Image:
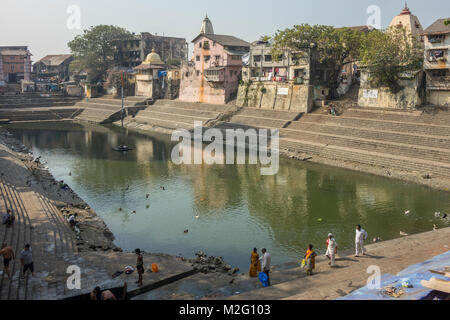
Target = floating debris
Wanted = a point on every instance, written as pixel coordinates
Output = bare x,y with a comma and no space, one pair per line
403,234
186,231
407,212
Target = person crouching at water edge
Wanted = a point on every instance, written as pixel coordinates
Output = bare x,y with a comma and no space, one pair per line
310,260
331,250
361,236
255,264
237,140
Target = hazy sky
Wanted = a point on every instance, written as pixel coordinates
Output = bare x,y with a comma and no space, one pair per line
42,24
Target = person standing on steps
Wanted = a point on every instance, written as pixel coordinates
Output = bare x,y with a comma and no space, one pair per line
331,250
265,263
8,254
361,236
139,266
26,260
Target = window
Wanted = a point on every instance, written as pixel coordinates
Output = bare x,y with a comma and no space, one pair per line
207,58
268,58
257,58
200,45
206,45
438,73
236,58
198,73
217,58
197,58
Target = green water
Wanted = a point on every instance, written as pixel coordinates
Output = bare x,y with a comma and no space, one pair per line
228,209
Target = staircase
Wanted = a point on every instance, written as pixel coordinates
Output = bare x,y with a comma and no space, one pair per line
107,109
175,114
36,107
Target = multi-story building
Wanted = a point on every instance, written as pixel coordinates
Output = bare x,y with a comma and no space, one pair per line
214,73
53,66
15,64
131,53
437,64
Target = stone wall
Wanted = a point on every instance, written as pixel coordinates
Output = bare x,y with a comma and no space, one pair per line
409,97
276,96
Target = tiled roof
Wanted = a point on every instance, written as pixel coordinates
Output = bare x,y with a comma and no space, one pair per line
54,60
438,27
225,40
14,52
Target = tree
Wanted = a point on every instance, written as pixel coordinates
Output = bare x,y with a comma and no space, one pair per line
94,50
447,22
387,54
335,46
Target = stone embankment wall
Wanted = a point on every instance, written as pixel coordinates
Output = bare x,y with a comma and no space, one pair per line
410,95
276,96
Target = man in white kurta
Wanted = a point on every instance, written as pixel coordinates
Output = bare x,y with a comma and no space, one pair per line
361,236
331,250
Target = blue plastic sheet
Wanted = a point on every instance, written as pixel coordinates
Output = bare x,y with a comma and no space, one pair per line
413,274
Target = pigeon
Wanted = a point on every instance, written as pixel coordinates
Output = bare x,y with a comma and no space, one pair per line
407,212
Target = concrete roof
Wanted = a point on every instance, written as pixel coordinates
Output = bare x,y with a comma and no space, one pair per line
438,27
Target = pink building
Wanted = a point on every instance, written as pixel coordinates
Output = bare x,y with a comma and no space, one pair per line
213,74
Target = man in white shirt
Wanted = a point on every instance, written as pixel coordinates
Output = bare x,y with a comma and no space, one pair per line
331,250
361,236
265,263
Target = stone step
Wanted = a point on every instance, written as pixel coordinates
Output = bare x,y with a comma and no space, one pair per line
183,111
401,117
376,159
164,123
267,113
149,113
414,151
193,105
258,122
370,133
398,126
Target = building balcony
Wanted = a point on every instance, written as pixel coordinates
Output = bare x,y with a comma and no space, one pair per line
438,83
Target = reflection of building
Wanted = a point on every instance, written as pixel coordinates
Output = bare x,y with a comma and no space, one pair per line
53,66
437,64
213,75
131,53
15,64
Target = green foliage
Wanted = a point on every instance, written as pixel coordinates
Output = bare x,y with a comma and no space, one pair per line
265,38
447,22
387,54
94,50
334,47
174,62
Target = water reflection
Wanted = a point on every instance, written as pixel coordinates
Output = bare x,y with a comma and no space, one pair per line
228,209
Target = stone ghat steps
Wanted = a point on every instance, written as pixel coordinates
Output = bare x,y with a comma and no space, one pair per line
183,112
40,115
258,122
440,117
162,121
193,105
39,103
329,127
270,114
102,109
20,233
413,151
376,159
376,124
